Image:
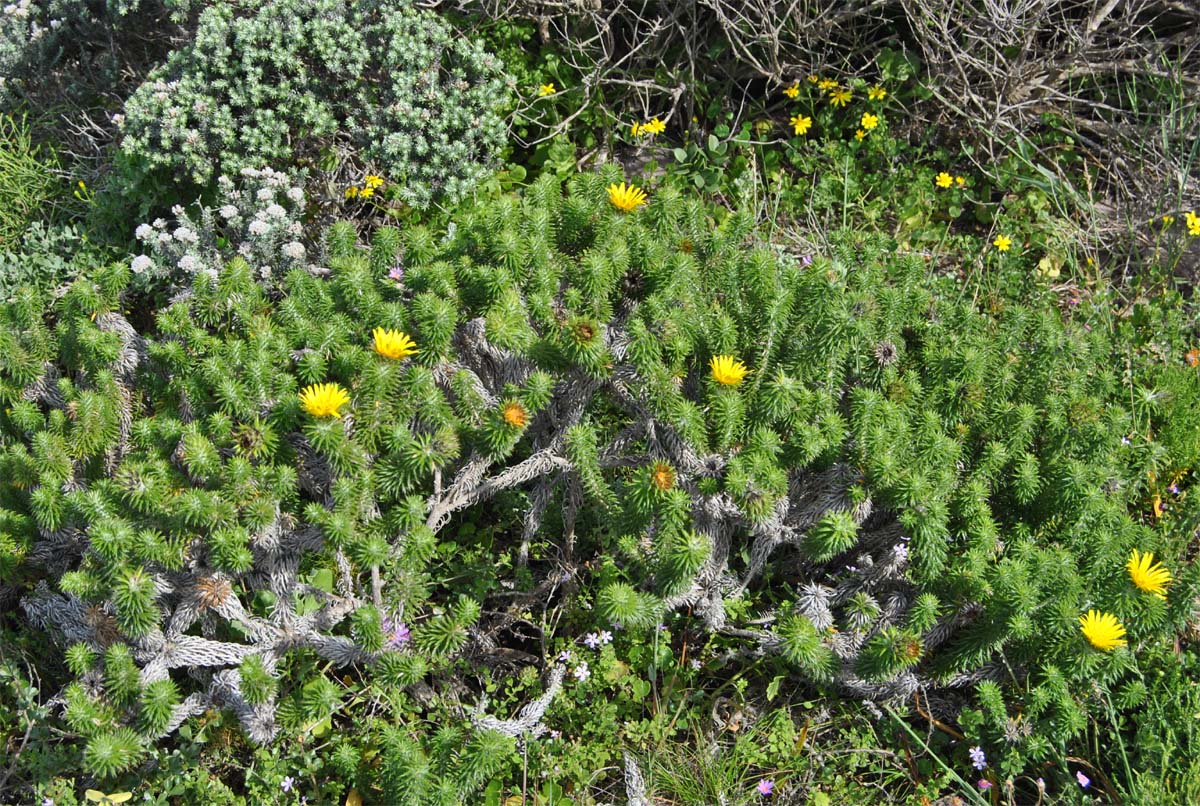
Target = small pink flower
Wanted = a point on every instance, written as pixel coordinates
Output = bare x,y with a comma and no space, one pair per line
1082,779
985,784
766,786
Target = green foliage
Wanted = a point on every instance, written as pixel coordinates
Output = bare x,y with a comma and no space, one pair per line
27,184
907,487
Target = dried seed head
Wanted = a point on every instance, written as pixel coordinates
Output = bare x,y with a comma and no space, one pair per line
515,414
663,476
886,353
212,592
584,332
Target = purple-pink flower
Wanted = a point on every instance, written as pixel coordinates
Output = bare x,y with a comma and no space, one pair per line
978,759
287,783
766,786
396,274
396,633
1082,779
984,784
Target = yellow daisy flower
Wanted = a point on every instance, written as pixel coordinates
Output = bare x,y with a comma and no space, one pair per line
839,96
813,79
324,399
944,180
860,135
366,192
793,90
869,121
876,93
1002,242
655,126
1102,630
961,181
373,181
1193,223
727,370
826,84
547,89
393,344
635,129
96,796
351,192
1147,574
626,198
801,124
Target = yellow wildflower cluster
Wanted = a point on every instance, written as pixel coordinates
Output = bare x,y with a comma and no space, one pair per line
838,96
651,127
371,183
945,180
1193,223
1103,630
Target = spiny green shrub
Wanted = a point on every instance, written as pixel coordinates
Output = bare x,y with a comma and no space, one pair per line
286,82
914,492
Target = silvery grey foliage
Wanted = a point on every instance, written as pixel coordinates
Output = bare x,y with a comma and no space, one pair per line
528,722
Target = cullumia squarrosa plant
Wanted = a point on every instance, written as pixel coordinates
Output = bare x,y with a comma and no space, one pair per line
840,465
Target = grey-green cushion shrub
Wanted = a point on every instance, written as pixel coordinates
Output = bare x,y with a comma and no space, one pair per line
287,82
32,31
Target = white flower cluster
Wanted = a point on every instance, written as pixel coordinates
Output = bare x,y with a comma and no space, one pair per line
258,218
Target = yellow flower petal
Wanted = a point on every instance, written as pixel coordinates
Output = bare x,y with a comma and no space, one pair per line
1148,575
1102,630
324,399
626,197
727,370
393,344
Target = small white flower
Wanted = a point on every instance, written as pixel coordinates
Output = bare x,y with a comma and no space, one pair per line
141,264
189,263
177,210
295,229
605,637
258,227
295,194
591,641
229,212
265,194
275,211
185,235
294,250
581,672
144,232
164,238
695,663
160,223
